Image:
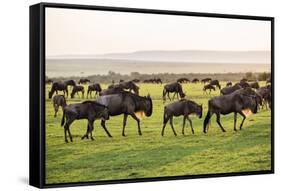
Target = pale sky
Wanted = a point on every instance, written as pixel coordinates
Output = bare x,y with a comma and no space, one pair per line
79,32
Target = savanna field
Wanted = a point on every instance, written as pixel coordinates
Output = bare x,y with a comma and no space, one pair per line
152,155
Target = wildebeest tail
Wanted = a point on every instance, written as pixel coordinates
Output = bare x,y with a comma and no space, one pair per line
206,121
62,119
164,94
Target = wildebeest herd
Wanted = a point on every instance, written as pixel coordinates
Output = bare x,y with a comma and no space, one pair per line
123,98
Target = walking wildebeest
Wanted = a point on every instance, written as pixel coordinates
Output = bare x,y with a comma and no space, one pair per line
131,86
208,87
183,80
128,104
94,87
228,84
206,80
229,90
236,102
77,89
215,83
254,85
89,110
183,107
175,88
195,80
112,90
265,93
84,81
58,101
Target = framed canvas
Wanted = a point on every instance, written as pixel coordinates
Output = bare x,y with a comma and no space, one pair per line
122,95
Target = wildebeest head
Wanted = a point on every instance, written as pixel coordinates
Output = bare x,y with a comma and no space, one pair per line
102,112
148,106
250,102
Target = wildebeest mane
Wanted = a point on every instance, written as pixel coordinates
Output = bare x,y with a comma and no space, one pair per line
94,103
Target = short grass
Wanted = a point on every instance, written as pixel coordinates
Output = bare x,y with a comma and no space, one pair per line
152,155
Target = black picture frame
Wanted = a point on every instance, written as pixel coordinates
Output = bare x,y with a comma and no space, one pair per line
37,92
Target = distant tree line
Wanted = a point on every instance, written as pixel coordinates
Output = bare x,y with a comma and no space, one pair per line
167,77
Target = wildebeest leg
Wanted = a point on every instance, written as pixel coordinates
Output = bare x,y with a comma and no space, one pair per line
82,94
56,107
169,96
91,129
171,123
124,124
66,92
190,122
87,94
219,122
235,119
66,128
174,95
183,124
244,117
104,127
166,119
138,121
56,91
87,132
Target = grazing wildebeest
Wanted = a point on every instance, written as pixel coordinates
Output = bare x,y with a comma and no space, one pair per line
244,84
195,80
131,86
84,81
206,80
208,87
58,101
158,81
265,93
153,81
229,90
183,80
236,102
128,104
89,110
215,83
77,89
58,86
254,85
183,107
175,88
228,84
94,87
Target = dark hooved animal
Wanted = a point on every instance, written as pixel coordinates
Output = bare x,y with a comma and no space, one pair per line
127,103
183,80
175,88
89,110
58,101
94,88
244,84
206,80
76,89
215,83
241,101
254,85
244,80
84,81
228,84
112,90
153,81
130,86
58,86
208,87
229,90
183,107
49,81
265,93
195,80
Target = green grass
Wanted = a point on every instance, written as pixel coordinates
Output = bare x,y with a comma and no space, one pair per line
152,155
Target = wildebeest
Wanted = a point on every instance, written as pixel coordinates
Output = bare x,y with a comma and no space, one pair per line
89,110
76,89
127,103
131,86
58,101
175,88
94,87
215,83
237,102
206,80
244,80
49,81
244,84
183,107
228,84
84,81
61,86
209,87
195,80
229,90
265,93
254,85
112,90
183,80
153,80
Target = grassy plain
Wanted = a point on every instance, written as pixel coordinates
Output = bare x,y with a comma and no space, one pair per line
152,155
